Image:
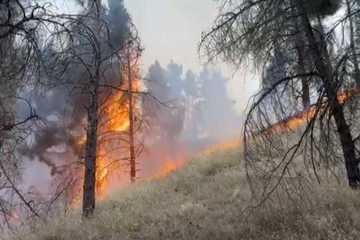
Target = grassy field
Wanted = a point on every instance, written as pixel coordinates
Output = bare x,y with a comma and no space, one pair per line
204,200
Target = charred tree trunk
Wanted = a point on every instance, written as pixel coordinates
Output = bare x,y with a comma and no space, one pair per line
352,45
305,91
320,56
131,121
90,154
348,146
300,46
89,187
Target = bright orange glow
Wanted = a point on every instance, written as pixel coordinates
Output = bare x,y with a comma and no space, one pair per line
223,146
169,167
117,113
298,120
117,107
115,121
345,96
291,123
102,172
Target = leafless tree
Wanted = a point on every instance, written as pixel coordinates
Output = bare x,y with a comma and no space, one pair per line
277,131
97,56
25,26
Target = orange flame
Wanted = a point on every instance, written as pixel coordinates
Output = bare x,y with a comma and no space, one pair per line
294,122
169,167
116,122
117,116
223,146
290,124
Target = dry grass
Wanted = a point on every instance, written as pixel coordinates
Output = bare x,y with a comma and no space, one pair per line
204,201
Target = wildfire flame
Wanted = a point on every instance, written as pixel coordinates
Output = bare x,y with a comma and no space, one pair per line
113,128
287,125
117,114
294,122
117,122
169,167
226,145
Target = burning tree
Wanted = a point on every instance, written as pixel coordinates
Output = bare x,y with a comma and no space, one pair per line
311,93
84,64
84,100
108,99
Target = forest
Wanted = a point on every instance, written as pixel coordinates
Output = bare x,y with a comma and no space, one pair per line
104,136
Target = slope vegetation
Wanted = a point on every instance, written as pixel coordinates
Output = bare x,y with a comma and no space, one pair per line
204,200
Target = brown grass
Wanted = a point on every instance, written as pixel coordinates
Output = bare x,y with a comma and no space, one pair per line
204,201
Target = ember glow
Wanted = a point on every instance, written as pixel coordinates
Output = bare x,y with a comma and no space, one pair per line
119,115
230,144
169,167
162,161
113,134
345,96
294,122
112,149
290,124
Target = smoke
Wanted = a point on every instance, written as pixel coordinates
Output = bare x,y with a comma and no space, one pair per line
192,111
184,111
62,99
195,106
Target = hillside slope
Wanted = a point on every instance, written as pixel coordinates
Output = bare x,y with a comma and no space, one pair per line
204,201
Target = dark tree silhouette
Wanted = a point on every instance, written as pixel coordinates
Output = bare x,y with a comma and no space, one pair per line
257,30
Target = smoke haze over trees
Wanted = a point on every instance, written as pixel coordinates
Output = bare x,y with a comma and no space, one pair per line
83,114
90,54
77,49
195,106
308,105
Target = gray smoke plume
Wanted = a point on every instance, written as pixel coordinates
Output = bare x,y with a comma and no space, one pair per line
192,111
61,102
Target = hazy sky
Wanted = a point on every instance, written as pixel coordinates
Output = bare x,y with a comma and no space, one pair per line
171,30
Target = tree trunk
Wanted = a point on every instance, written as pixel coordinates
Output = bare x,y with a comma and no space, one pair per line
305,91
89,187
300,46
348,146
90,154
320,56
131,122
352,45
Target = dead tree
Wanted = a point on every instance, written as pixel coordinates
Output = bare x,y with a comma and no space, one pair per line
352,46
323,64
101,87
21,58
323,130
88,204
131,120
